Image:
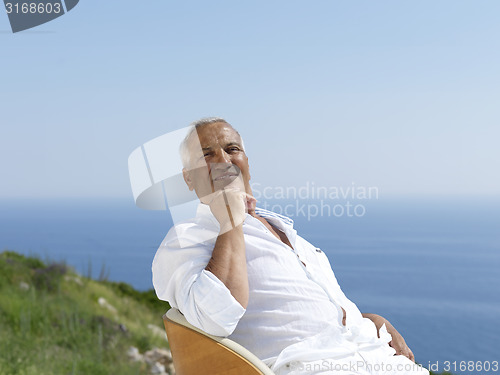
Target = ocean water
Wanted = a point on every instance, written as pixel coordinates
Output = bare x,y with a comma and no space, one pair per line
431,266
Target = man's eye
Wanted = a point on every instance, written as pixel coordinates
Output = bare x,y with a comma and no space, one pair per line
234,149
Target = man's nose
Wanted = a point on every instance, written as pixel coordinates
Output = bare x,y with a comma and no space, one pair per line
221,156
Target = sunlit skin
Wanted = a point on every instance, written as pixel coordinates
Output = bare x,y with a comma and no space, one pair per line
218,163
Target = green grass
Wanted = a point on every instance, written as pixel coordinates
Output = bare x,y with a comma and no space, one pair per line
57,326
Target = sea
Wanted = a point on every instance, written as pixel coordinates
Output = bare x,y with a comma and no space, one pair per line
429,264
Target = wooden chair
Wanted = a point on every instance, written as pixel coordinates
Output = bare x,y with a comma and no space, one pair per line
194,352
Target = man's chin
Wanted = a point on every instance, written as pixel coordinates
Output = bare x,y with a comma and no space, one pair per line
206,194
230,182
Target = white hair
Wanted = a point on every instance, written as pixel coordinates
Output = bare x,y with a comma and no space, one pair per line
184,149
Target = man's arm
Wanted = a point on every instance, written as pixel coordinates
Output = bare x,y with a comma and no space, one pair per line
228,261
397,342
201,281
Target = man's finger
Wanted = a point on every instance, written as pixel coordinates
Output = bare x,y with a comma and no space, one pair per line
250,202
411,357
406,351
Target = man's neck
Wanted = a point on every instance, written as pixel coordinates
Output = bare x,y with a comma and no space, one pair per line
275,231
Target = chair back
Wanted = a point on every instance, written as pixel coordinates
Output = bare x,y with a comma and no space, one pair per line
195,352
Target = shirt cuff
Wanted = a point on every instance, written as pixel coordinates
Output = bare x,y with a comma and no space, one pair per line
219,312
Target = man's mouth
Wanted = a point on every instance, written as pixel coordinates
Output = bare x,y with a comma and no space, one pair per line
226,176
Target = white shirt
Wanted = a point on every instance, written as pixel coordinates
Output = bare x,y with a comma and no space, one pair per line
294,311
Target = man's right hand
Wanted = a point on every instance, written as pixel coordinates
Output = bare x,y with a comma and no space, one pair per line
229,206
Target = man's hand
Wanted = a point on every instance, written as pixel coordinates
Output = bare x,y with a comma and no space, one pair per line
229,206
397,342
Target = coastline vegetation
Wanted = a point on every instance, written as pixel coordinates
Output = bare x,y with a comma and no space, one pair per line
55,321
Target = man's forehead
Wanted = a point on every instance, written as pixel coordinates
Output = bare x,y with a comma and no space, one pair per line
216,134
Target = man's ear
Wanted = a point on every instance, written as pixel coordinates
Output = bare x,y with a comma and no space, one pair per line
187,179
249,176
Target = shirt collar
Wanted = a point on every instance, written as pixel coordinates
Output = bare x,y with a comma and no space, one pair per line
280,221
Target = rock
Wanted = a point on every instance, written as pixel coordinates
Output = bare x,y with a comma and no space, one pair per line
157,331
102,302
159,361
157,369
161,356
24,286
122,328
74,279
171,369
134,355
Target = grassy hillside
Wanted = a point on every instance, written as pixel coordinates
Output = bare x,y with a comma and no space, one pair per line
54,321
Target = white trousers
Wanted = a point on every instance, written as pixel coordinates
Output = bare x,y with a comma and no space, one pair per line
367,362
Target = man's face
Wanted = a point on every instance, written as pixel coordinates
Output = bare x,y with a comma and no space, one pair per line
219,163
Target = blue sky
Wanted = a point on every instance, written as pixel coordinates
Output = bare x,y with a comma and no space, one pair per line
399,95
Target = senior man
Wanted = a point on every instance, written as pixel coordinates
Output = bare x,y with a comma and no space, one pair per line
244,272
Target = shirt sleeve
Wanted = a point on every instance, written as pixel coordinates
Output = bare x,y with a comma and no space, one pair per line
179,277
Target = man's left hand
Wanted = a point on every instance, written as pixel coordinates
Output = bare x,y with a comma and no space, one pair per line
397,342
